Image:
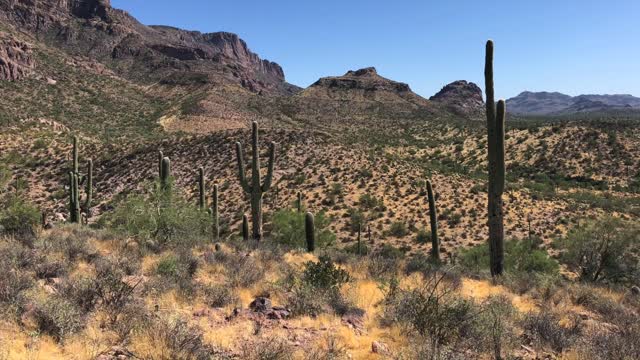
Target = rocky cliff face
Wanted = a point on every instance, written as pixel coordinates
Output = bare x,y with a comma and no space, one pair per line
16,60
143,53
461,97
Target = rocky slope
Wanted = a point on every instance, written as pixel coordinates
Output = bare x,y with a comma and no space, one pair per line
461,97
548,103
143,53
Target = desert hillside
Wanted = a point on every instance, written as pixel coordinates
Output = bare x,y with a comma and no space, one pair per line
113,246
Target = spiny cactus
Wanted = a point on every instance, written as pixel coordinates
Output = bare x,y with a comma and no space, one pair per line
245,227
74,207
75,180
433,217
299,202
309,228
89,188
160,158
74,155
495,132
201,196
255,189
165,173
216,216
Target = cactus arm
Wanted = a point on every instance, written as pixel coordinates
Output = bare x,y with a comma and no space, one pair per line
272,157
201,196
241,174
160,158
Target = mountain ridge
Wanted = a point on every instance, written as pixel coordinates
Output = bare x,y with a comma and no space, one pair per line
556,103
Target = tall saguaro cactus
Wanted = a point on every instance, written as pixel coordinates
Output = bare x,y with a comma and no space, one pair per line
75,181
254,188
201,196
216,215
433,217
245,227
74,198
309,228
165,172
89,188
495,132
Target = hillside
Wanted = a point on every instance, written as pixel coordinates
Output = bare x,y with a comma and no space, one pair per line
146,276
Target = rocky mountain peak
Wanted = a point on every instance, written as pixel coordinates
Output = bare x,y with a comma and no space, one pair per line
368,71
462,97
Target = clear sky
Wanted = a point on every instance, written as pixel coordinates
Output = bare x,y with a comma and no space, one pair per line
571,46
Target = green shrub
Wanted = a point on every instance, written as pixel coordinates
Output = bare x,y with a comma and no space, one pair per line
432,309
398,229
58,317
356,219
218,296
368,201
162,217
603,250
324,274
289,229
423,236
520,256
18,217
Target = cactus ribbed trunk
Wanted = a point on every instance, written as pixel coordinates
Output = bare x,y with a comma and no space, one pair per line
75,155
165,173
255,189
495,145
201,197
89,188
160,159
433,217
299,202
309,228
216,217
245,227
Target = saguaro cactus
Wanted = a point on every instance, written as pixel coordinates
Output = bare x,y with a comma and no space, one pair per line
165,173
245,227
74,202
75,155
299,202
201,196
360,240
309,228
160,159
89,188
433,217
216,216
255,189
495,132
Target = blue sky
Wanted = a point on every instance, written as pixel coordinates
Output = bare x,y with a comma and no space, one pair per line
571,46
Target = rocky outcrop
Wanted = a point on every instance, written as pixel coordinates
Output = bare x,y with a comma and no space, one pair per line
362,86
16,60
145,54
461,97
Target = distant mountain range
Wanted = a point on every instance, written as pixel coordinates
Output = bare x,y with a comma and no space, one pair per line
555,103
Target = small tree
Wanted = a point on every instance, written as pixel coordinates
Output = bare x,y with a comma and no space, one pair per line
605,249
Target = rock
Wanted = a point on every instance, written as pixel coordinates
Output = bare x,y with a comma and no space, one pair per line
260,304
116,353
378,347
51,81
59,217
461,97
16,59
635,290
